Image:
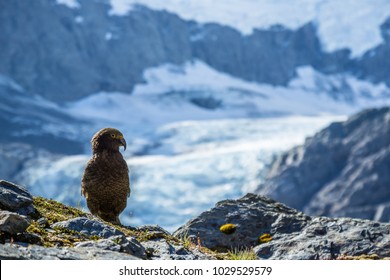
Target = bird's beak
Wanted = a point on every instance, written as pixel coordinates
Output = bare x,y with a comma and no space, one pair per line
123,141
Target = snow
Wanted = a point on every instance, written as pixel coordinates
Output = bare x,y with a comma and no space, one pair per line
310,93
108,36
69,3
339,22
8,82
79,19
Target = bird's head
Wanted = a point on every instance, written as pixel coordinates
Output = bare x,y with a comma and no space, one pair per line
109,139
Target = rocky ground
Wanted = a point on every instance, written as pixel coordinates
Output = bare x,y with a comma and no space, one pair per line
253,227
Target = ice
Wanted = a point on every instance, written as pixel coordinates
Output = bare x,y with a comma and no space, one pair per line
339,23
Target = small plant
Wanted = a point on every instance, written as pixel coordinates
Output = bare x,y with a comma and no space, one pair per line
228,228
246,254
266,237
361,257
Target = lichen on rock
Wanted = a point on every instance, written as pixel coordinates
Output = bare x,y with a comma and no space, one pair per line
228,228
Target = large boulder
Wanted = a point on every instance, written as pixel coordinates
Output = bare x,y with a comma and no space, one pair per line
12,223
327,238
252,216
276,231
15,198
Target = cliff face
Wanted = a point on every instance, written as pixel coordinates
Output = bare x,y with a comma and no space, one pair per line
65,54
342,171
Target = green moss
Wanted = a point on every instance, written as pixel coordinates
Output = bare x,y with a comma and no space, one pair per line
266,237
228,228
54,211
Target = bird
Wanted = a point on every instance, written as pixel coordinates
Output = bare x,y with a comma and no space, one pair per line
105,182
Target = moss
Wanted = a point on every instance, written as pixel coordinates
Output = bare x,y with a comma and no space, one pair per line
54,211
264,238
228,228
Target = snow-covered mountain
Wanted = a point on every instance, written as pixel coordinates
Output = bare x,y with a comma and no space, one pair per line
110,44
206,92
338,22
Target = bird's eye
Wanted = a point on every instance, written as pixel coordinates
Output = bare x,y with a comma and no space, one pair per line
113,135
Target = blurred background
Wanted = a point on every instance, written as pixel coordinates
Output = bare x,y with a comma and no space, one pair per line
215,99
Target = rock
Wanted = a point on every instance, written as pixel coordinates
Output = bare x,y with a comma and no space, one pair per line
15,198
29,238
133,247
343,171
326,238
34,252
154,231
160,249
285,232
117,243
89,227
252,215
12,223
43,222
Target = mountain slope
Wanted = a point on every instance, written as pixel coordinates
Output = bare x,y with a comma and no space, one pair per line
33,120
86,48
342,171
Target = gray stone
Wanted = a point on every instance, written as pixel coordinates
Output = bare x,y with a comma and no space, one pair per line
326,238
12,223
15,198
29,238
118,243
154,230
43,222
252,215
343,171
89,227
294,235
34,252
161,249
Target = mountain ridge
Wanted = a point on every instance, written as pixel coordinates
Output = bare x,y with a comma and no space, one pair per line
47,48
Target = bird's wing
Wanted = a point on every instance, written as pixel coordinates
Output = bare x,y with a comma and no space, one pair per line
89,173
128,180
